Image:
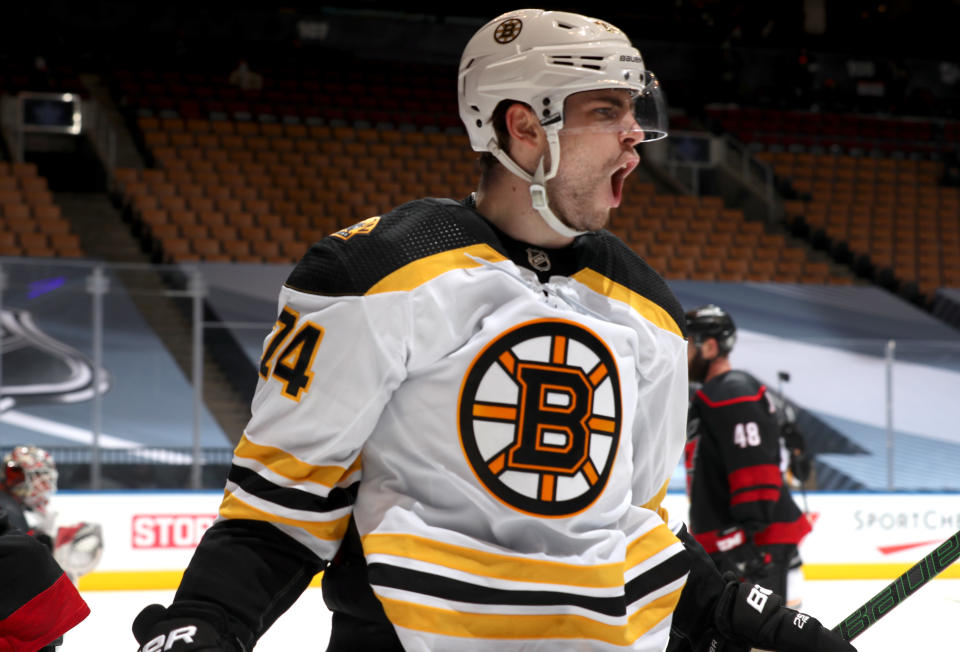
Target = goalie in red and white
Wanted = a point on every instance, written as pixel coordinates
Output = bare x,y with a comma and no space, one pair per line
741,511
29,480
39,601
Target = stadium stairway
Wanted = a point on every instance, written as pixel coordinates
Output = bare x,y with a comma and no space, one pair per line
104,236
125,149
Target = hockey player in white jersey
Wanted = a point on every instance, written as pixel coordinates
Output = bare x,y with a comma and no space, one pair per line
468,411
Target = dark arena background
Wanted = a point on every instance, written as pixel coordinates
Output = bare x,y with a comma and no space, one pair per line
164,165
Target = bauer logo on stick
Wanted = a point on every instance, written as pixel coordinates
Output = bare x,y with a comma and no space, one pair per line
900,589
540,417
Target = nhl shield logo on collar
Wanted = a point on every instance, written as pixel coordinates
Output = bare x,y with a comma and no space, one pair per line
539,259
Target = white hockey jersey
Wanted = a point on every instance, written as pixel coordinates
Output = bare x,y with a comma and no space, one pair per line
508,418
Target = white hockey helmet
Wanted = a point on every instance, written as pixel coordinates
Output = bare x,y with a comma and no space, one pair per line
540,57
31,476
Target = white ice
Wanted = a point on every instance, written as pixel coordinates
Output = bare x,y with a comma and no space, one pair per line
922,622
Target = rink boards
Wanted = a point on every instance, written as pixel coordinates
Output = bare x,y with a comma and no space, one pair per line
150,536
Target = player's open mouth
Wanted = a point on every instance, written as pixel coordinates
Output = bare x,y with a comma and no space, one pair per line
617,179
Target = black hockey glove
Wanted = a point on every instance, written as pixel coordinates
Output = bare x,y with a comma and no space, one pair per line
155,631
748,615
738,554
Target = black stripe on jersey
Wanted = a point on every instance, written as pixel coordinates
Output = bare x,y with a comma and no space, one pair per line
446,588
659,576
424,227
606,254
260,487
415,230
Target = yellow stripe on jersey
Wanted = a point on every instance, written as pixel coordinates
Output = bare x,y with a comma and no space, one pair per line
656,540
447,622
487,564
233,508
283,463
424,269
654,503
651,311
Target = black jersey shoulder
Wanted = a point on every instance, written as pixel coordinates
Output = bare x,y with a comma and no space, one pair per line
733,386
609,256
351,261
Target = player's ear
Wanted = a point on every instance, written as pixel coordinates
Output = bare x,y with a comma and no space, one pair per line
524,128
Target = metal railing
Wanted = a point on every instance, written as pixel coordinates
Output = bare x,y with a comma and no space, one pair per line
74,339
85,365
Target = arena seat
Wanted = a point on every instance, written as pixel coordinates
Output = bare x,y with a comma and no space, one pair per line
246,171
31,223
892,212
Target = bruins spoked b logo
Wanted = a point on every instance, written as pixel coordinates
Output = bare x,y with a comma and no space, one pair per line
508,30
540,417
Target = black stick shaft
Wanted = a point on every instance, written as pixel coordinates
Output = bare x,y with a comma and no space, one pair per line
900,589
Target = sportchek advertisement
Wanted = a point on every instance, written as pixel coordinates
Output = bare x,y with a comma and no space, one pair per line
149,537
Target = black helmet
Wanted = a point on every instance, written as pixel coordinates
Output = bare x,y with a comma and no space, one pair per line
712,321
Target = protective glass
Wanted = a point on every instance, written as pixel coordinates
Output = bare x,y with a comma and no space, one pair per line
647,119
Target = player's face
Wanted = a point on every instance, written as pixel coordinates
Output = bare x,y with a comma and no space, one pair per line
596,155
697,363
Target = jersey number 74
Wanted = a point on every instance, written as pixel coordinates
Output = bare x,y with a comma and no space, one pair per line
292,365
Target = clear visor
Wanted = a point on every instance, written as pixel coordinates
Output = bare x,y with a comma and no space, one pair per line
644,115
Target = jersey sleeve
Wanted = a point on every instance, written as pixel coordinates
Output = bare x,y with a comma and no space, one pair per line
328,367
692,627
658,425
327,370
748,441
660,434
38,602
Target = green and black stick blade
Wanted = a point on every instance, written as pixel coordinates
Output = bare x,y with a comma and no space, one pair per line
900,589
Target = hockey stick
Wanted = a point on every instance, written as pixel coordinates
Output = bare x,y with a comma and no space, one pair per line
900,589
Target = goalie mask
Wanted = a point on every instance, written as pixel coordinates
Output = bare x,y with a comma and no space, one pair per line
31,476
540,58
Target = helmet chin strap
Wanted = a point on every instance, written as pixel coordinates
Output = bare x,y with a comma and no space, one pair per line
538,181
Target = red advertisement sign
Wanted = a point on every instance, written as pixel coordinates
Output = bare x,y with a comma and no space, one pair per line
169,530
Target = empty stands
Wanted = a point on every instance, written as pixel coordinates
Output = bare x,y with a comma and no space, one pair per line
889,213
697,238
265,191
250,191
381,92
808,130
31,223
